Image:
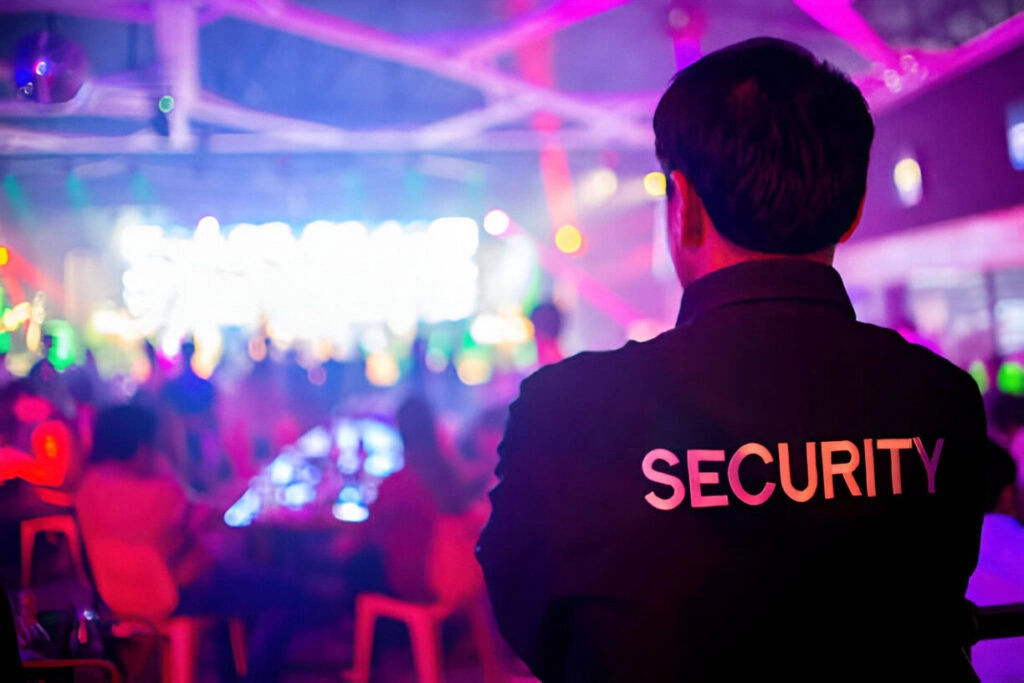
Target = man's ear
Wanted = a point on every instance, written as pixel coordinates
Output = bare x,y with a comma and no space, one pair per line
690,212
856,221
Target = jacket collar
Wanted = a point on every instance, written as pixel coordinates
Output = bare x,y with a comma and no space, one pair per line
766,280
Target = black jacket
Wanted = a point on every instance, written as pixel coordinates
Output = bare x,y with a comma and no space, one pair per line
655,519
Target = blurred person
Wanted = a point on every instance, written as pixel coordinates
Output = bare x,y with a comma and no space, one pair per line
6,376
130,496
193,400
547,330
437,485
151,389
999,578
657,518
47,382
258,419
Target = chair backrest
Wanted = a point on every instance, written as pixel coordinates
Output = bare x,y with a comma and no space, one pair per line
133,580
453,571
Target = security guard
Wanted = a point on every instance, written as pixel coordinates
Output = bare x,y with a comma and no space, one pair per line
771,490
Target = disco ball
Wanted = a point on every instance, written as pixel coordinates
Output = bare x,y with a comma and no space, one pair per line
49,68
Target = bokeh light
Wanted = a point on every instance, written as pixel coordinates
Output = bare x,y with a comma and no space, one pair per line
1010,378
207,227
907,177
1015,142
979,371
569,239
382,369
473,369
654,184
598,186
496,222
166,104
5,256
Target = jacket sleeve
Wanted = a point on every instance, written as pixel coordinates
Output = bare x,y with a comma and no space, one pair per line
517,549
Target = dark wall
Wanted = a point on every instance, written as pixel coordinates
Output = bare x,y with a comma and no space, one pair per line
957,132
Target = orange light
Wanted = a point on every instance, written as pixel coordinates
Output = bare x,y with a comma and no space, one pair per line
382,369
5,256
568,239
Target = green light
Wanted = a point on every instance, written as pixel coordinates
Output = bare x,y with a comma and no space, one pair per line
16,197
166,104
76,191
64,350
1010,378
5,342
979,372
141,188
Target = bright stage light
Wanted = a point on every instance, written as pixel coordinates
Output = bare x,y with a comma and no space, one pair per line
569,239
5,256
207,226
598,186
654,184
140,241
1015,144
350,512
382,369
496,222
473,369
907,177
332,285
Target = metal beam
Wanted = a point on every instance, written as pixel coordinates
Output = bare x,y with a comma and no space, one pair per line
176,31
113,10
96,98
16,141
534,26
349,35
839,17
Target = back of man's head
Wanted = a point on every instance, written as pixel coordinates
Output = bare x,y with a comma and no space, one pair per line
774,142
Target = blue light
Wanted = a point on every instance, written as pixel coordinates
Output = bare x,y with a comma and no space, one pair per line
282,471
316,443
1015,142
347,436
350,494
380,464
348,462
350,512
298,495
243,512
42,66
309,473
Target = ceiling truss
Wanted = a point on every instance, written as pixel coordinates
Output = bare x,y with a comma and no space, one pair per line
610,122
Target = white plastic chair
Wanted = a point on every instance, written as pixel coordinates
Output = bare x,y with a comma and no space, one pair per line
458,583
57,524
135,582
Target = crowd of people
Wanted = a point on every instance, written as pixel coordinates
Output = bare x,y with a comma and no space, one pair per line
149,472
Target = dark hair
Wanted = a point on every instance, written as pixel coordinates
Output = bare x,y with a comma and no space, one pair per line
774,142
121,430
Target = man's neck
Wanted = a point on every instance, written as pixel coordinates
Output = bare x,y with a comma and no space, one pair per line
722,253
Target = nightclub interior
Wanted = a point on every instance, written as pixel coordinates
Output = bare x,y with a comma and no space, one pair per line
306,251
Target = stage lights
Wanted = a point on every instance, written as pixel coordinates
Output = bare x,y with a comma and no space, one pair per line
496,222
906,175
569,239
654,184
